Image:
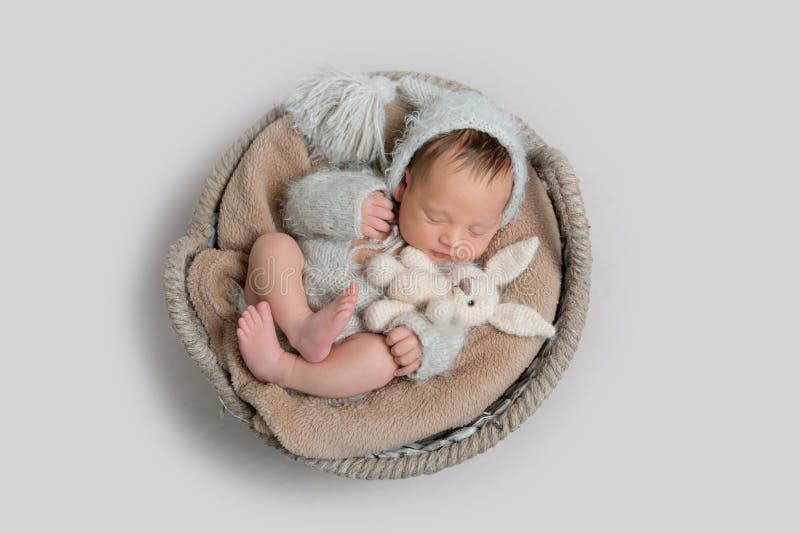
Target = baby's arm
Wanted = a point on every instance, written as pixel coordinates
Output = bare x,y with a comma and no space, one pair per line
329,203
440,343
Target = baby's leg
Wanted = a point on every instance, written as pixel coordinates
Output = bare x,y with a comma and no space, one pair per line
275,275
360,363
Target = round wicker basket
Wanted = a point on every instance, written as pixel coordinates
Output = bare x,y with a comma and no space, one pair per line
500,418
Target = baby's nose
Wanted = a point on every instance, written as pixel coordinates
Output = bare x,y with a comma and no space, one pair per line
450,237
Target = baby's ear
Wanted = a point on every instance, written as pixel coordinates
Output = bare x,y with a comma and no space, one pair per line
510,261
520,320
400,190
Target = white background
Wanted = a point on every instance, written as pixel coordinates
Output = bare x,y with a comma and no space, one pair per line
680,408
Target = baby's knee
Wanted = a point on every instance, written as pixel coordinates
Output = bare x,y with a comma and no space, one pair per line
274,258
276,247
274,241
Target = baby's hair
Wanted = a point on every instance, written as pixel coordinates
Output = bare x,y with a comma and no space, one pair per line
476,149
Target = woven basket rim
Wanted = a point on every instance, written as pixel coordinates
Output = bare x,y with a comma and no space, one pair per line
543,374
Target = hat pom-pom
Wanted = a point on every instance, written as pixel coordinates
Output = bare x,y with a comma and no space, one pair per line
342,115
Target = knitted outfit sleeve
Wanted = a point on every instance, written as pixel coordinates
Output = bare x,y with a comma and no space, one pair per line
328,202
441,343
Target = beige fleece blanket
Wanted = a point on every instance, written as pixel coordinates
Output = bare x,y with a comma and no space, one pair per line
403,411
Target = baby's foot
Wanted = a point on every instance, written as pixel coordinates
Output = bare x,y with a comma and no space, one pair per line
259,345
315,336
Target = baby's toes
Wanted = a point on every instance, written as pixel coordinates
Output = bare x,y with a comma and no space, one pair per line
241,334
248,316
344,313
255,316
347,298
264,311
242,323
352,289
345,306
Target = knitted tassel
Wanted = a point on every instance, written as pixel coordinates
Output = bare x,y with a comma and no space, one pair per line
342,115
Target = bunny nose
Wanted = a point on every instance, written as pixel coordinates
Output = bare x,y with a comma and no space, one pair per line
466,286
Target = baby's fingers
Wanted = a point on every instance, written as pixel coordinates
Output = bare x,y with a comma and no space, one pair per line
369,231
380,199
377,223
382,213
408,369
398,333
408,358
405,345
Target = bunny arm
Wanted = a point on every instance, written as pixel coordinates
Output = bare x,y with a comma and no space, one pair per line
520,320
328,202
381,269
381,312
441,343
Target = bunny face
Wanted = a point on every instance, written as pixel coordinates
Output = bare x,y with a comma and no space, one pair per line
473,295
460,292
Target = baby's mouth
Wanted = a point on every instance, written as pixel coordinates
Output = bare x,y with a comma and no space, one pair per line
440,255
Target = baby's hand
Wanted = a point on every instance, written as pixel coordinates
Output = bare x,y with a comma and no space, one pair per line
406,350
375,212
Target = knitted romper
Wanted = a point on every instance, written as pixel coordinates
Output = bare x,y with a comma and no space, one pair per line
322,211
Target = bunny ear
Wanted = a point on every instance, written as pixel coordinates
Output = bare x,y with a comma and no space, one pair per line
509,262
519,320
419,93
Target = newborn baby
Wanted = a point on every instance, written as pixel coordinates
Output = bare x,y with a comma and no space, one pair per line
457,176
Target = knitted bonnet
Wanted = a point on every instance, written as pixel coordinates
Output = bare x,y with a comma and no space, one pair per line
342,117
439,111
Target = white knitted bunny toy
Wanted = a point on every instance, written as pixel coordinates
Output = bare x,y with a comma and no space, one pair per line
409,283
456,296
475,295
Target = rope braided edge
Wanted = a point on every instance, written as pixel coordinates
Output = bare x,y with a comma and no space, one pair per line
185,322
511,409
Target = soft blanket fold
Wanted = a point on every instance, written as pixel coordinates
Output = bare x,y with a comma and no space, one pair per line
403,411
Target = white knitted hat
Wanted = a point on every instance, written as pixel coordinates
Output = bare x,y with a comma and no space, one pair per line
439,111
342,116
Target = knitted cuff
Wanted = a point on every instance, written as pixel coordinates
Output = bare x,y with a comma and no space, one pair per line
327,203
441,343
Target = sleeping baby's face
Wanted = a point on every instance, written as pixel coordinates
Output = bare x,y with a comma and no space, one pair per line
451,215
